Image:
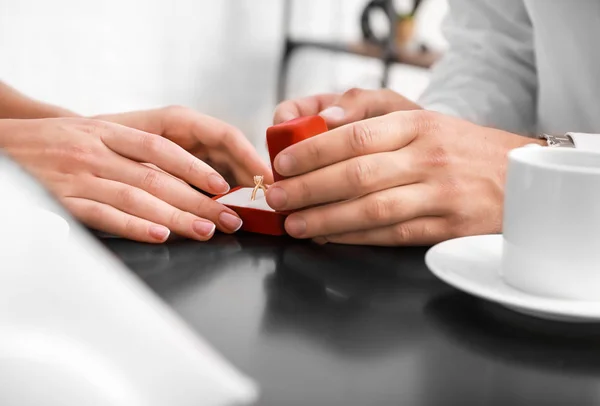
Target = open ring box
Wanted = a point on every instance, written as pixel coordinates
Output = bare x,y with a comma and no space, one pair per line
256,214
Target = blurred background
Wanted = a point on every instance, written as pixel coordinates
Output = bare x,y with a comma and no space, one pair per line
220,57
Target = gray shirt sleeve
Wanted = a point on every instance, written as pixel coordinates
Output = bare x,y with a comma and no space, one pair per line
488,75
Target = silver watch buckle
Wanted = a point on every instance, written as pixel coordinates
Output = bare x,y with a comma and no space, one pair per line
564,141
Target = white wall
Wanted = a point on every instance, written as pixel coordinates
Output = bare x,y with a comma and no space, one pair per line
218,56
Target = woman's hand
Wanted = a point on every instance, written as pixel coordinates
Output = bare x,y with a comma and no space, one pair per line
218,144
96,170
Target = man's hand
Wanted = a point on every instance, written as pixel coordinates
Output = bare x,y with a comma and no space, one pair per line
216,143
340,109
406,178
95,169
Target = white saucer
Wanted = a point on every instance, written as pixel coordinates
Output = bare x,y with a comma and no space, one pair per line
472,264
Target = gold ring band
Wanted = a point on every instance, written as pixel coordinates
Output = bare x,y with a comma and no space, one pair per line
258,181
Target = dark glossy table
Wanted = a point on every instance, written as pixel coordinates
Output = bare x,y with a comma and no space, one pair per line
341,325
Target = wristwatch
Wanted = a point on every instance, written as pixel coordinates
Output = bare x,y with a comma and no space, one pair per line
564,141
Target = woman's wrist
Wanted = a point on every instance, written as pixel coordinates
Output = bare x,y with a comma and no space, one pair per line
14,104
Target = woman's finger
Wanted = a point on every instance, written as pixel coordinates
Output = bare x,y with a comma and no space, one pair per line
170,157
156,168
142,204
226,143
108,219
375,210
171,191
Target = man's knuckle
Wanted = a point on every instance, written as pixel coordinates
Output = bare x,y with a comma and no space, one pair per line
403,233
305,191
359,173
283,107
436,157
353,93
445,190
314,152
378,209
425,122
455,226
361,138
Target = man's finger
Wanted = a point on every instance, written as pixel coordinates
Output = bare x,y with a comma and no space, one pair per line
170,157
359,104
307,106
422,231
375,210
108,219
346,180
381,134
171,191
198,133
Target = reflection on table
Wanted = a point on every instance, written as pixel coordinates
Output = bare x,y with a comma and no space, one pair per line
341,325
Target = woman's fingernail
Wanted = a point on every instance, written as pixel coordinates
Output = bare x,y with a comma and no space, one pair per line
230,222
276,198
203,228
295,226
217,183
334,113
159,233
286,164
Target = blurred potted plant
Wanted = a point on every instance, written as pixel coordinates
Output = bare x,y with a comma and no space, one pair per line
405,25
403,22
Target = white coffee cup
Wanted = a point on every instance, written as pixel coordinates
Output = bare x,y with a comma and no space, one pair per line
551,229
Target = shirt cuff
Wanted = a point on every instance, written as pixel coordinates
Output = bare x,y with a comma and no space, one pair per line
586,141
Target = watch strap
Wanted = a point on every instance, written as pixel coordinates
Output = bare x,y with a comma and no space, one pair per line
564,141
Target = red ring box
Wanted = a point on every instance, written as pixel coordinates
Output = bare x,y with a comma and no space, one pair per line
257,216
